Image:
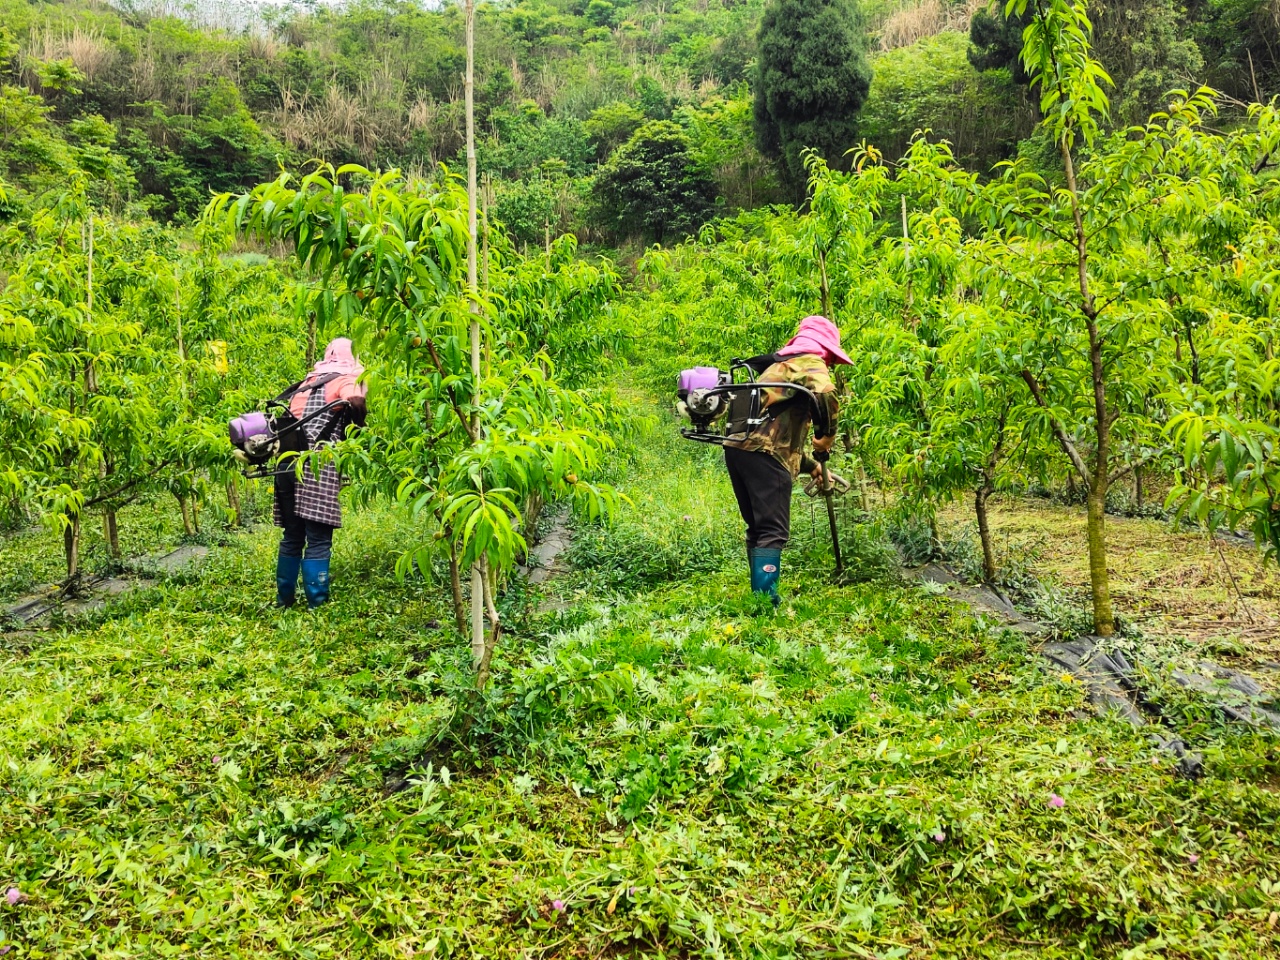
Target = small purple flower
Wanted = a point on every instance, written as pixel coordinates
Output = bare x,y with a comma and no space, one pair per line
1193,859
631,891
216,759
686,518
939,837
14,896
1056,801
5,949
558,906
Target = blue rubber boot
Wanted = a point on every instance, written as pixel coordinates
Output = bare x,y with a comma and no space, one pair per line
766,567
315,581
287,569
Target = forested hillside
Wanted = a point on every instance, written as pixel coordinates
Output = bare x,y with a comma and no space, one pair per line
615,120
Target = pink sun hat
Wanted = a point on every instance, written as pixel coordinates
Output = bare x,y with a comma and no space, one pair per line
819,336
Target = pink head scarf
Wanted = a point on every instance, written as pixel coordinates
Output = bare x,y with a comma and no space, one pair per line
340,359
817,335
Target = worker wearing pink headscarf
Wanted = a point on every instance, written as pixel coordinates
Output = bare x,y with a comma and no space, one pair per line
307,507
764,463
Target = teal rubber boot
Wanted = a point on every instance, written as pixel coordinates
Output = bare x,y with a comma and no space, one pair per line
766,567
287,570
315,580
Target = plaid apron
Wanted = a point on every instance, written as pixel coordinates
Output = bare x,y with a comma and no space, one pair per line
314,498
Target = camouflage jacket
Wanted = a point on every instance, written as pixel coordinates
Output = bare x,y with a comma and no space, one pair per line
784,435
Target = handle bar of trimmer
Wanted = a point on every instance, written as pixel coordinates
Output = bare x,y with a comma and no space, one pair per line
821,429
831,485
296,425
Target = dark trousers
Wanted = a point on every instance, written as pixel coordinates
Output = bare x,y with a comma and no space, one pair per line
763,488
299,533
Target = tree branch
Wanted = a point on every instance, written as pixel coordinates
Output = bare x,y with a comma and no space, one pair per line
1127,468
128,484
448,388
1059,431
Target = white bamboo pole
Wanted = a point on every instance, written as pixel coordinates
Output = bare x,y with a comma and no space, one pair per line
477,574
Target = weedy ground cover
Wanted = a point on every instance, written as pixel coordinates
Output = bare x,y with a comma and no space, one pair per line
660,768
1170,582
31,558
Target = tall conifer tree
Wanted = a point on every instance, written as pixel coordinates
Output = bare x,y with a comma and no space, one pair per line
812,77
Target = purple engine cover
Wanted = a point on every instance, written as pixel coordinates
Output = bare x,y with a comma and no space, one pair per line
248,425
699,378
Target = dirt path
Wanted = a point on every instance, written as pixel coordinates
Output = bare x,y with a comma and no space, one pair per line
547,559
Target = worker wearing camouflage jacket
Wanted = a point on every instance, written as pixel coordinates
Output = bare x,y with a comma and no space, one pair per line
764,463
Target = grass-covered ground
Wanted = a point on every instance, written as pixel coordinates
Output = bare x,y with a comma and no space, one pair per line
661,770
1170,581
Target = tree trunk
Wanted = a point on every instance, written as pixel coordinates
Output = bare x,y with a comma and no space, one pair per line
477,572
187,526
532,512
827,309
1103,621
491,642
90,373
455,586
1104,624
311,340
984,533
111,533
1195,354
1137,487
71,547
233,501
906,254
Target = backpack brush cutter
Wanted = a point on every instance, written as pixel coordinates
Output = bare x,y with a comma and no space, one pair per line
258,438
722,410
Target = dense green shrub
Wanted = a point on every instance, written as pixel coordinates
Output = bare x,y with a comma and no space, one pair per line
634,557
931,85
652,188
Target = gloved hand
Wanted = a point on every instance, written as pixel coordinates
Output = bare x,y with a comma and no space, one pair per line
824,444
816,487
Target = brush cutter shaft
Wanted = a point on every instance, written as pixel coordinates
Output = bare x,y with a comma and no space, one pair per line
831,518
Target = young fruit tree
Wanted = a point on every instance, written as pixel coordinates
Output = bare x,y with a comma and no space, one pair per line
1078,270
466,451
1223,390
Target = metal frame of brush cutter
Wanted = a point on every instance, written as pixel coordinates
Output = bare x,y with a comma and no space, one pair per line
297,424
754,417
